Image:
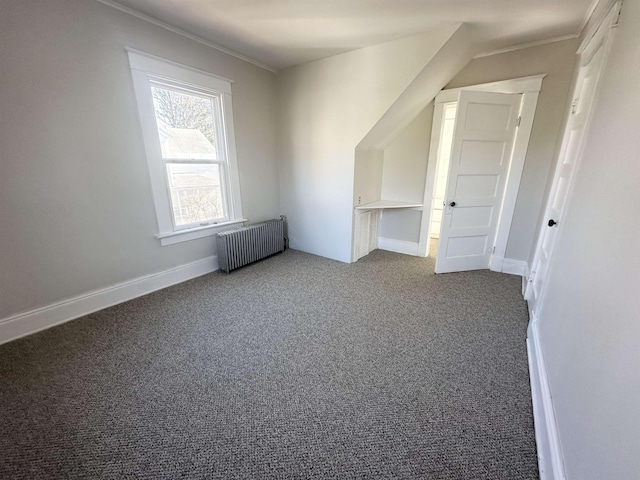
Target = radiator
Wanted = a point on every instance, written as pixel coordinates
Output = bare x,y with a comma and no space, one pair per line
243,245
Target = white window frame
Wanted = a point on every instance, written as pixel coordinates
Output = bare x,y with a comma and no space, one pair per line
147,69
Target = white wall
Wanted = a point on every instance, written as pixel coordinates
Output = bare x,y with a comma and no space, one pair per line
76,209
445,64
326,109
403,176
557,60
367,176
589,324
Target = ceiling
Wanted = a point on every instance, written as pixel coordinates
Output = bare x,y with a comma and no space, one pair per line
282,33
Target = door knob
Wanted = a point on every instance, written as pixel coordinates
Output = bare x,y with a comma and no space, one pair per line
452,204
552,222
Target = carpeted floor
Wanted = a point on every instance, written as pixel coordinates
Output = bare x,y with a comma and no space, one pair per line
297,367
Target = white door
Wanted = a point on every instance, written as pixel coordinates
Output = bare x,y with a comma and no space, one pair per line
570,154
482,146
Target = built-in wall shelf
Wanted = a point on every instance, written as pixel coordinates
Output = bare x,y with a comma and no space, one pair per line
380,204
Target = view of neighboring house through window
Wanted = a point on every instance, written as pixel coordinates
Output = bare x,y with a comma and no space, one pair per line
187,133
186,119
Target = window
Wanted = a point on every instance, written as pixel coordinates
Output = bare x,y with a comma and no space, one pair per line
187,126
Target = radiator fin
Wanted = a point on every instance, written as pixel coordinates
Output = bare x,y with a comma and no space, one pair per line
243,245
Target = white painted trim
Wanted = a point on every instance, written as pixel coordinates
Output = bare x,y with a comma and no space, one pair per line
589,14
522,46
496,263
509,265
603,37
149,63
532,83
234,196
515,267
183,33
514,173
195,233
430,182
529,87
398,246
39,319
608,18
146,68
550,459
389,204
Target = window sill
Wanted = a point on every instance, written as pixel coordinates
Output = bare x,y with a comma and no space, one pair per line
194,233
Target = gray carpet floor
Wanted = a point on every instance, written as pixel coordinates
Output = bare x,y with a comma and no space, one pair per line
296,367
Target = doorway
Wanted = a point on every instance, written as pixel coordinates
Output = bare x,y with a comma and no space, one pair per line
442,173
436,215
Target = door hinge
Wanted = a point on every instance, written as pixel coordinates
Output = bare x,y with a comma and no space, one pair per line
574,106
518,122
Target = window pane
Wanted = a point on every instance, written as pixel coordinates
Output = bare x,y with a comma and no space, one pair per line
185,124
196,193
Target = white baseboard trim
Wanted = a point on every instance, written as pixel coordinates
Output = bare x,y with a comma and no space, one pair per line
496,263
550,461
515,267
33,321
509,265
398,246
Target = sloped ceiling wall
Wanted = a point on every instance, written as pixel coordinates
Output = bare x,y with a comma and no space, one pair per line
328,106
444,65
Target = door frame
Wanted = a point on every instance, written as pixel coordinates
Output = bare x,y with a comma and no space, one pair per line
529,87
472,229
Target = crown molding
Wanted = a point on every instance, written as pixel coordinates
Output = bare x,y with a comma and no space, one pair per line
528,45
179,31
589,14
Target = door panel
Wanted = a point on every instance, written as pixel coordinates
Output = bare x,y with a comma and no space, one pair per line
566,168
487,117
485,153
463,246
483,139
469,186
472,217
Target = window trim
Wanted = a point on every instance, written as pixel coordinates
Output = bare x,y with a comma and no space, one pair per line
221,149
147,68
197,232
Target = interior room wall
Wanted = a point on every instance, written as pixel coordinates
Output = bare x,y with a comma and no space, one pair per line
588,324
445,64
76,207
401,224
367,176
557,60
403,176
326,108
